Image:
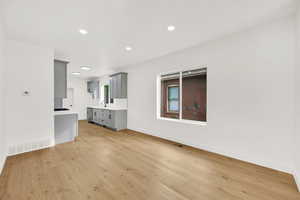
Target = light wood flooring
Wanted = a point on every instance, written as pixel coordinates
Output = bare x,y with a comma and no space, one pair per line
103,165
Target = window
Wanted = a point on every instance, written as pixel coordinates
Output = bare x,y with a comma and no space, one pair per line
173,98
106,93
183,95
170,97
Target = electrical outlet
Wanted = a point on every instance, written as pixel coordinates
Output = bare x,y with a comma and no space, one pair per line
26,93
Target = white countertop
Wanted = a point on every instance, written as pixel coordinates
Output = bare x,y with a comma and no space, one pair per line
107,108
65,112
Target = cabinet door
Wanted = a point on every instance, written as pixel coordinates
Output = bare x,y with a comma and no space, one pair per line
90,114
112,89
99,116
119,85
107,118
104,113
103,117
60,79
117,90
93,88
95,115
96,89
120,119
115,87
109,121
123,85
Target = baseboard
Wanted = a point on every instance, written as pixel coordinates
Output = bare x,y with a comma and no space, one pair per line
15,149
2,163
262,163
297,180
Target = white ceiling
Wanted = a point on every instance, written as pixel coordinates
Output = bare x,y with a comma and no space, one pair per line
142,24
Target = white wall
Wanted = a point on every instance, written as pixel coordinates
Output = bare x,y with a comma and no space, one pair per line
80,96
3,148
250,95
297,102
29,119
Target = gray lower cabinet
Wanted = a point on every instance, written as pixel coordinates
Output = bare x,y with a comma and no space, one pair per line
99,116
89,114
109,119
102,117
95,117
114,119
119,119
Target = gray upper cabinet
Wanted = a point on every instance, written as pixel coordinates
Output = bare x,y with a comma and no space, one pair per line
60,79
93,88
110,88
118,85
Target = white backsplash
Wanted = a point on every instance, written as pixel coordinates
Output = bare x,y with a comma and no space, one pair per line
119,103
94,102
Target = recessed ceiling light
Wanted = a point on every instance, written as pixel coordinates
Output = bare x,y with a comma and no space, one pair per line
85,68
171,28
76,73
83,31
128,48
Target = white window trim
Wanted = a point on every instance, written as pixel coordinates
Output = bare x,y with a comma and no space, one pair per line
180,96
158,100
185,121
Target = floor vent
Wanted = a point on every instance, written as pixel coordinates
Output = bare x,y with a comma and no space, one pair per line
27,147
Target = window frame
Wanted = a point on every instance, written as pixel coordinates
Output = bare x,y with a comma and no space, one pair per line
159,101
